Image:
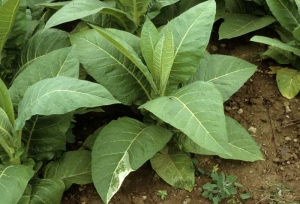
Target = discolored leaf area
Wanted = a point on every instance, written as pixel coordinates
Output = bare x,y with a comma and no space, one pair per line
121,147
288,81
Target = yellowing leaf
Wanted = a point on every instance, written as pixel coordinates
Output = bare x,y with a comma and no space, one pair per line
288,81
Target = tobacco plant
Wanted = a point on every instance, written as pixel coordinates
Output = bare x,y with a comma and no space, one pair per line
165,72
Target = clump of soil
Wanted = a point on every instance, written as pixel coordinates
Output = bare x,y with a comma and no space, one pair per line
274,122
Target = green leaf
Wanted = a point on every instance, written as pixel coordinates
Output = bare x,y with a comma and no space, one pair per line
176,168
8,12
121,147
163,60
8,138
61,95
191,32
110,67
5,102
45,135
149,38
78,9
227,73
296,33
13,181
196,110
240,142
157,5
135,8
129,52
72,167
41,43
61,62
285,11
45,191
288,81
239,24
279,55
275,43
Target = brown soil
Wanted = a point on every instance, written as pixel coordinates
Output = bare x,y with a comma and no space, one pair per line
257,104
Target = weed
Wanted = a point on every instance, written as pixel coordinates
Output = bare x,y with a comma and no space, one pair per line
162,194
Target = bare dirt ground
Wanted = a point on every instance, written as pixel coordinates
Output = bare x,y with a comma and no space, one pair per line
274,122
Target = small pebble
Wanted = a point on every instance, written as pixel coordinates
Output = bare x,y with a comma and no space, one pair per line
288,162
144,197
240,111
213,48
276,160
295,140
287,139
252,129
282,168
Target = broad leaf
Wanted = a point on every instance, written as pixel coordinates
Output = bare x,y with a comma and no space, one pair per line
196,110
191,31
239,24
13,181
135,8
47,191
285,11
121,147
72,167
41,43
296,33
288,81
175,167
8,138
240,142
110,67
149,38
163,60
129,52
8,12
61,62
45,135
275,43
279,55
227,73
5,102
156,6
61,95
78,9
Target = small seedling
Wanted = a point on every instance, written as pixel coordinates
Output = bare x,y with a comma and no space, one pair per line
222,187
162,194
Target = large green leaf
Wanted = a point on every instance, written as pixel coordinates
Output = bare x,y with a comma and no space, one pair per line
239,24
288,81
163,60
149,38
196,110
121,147
47,191
135,8
41,43
78,9
175,167
61,62
8,138
5,102
275,43
72,167
44,135
110,67
191,31
129,52
8,12
240,142
61,95
13,181
227,73
279,55
285,11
